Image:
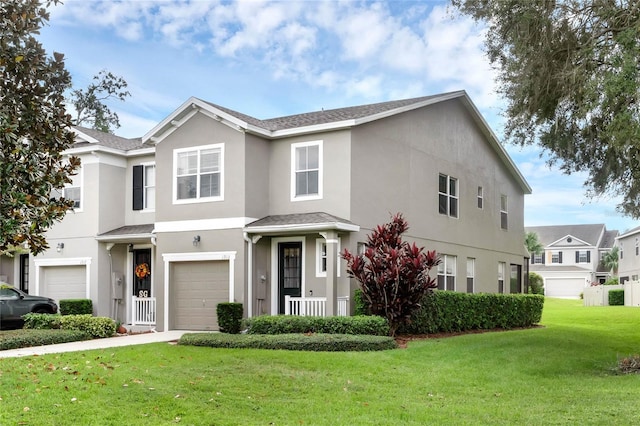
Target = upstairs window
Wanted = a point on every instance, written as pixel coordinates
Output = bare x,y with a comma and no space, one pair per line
144,187
537,258
306,173
199,173
72,191
556,257
583,256
504,212
480,197
448,195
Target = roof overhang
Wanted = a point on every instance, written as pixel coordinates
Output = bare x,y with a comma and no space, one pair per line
128,234
300,223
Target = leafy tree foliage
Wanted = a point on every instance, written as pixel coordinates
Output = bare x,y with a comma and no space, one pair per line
532,243
610,260
89,103
393,274
570,74
34,128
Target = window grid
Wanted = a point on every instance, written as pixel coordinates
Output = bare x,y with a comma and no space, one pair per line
448,195
504,212
501,268
199,173
149,186
480,197
447,273
306,171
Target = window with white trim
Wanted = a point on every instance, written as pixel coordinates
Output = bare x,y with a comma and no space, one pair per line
471,271
537,258
447,272
504,212
321,257
448,195
306,170
502,266
480,197
72,190
583,256
198,174
556,257
144,186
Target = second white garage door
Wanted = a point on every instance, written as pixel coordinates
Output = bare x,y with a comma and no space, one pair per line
196,290
64,282
564,287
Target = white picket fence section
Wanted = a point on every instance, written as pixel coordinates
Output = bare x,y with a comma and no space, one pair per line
144,311
313,306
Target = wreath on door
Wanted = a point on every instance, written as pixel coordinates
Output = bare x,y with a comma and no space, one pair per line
142,270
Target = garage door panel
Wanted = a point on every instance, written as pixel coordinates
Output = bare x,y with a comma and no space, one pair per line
197,288
65,282
564,287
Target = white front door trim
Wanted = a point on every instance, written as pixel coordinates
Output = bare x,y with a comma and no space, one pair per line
275,282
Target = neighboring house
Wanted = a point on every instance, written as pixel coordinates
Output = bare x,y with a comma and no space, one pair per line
572,257
629,255
213,205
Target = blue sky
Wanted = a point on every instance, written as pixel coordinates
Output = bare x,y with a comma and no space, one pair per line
269,59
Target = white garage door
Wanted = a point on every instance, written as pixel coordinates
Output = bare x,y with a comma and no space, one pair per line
196,290
65,282
564,287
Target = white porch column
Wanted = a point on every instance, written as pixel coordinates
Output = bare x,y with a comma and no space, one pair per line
331,239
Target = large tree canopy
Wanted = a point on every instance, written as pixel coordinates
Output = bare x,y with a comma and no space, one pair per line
570,73
34,128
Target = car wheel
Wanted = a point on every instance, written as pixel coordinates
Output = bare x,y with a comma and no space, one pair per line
42,311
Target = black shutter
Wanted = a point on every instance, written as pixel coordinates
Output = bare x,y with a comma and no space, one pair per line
138,187
544,255
577,256
589,256
560,257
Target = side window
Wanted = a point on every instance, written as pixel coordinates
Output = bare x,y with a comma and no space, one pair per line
504,212
448,195
144,187
73,190
321,257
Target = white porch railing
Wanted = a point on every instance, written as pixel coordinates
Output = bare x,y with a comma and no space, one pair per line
313,306
144,311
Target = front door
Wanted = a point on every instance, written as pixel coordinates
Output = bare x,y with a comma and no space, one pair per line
289,271
142,273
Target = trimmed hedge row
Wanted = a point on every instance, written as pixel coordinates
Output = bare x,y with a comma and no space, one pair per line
76,306
616,297
16,339
448,311
285,324
95,327
292,342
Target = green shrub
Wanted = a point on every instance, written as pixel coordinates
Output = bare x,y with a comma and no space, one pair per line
292,342
41,321
284,324
96,327
448,311
76,307
16,339
360,305
229,317
612,281
536,283
616,298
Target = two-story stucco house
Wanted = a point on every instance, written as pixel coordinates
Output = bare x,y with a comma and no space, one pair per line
572,257
629,255
213,205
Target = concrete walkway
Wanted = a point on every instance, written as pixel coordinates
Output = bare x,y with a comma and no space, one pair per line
87,345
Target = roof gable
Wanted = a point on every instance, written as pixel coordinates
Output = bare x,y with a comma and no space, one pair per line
593,235
325,120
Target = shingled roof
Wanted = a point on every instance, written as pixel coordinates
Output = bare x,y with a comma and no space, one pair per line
589,233
106,139
300,221
327,116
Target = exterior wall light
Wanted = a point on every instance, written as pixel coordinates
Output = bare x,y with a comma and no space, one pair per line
59,247
196,240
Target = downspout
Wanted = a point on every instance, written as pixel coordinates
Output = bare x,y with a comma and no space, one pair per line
246,237
113,306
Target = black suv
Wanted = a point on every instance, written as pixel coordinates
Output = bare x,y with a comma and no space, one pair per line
15,303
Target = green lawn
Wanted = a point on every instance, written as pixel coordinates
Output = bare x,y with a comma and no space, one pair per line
559,374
